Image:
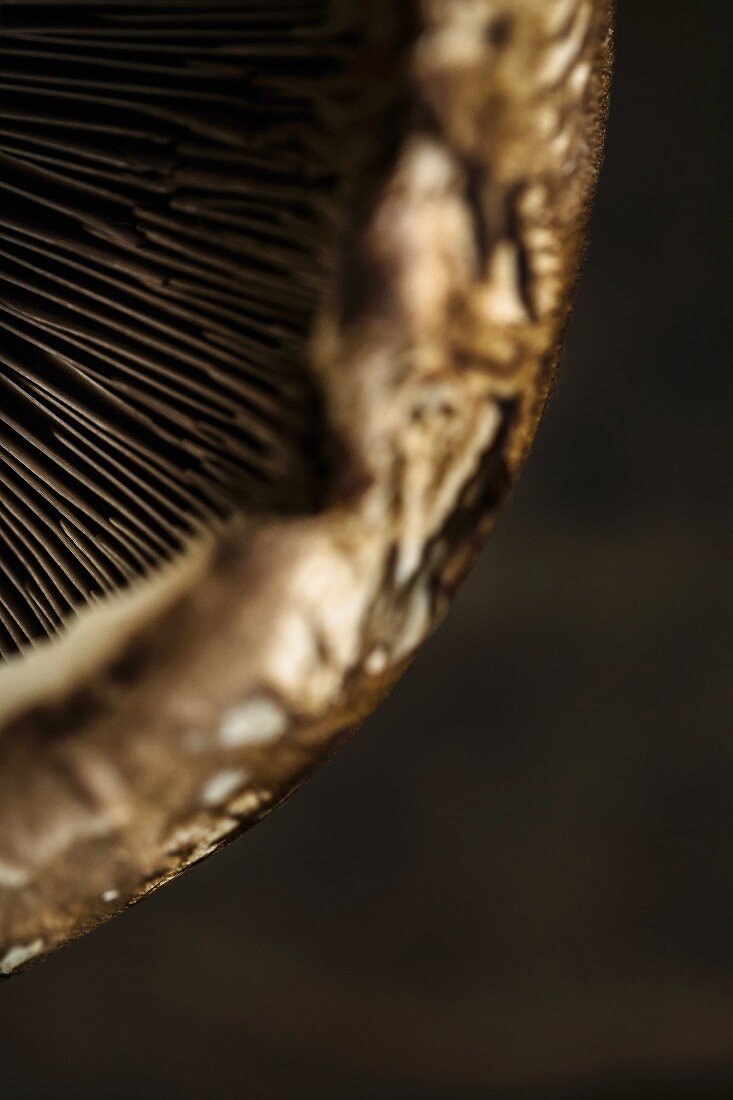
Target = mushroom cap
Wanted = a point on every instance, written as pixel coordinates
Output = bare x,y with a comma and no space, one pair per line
458,165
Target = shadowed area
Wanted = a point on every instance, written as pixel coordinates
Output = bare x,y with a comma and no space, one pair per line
167,177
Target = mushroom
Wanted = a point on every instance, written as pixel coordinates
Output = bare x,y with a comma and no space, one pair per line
282,291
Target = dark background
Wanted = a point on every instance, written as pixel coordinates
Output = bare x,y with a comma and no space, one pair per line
515,882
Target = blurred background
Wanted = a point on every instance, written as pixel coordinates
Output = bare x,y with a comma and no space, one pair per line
515,882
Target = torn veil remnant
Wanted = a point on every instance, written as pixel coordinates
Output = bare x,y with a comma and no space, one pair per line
281,294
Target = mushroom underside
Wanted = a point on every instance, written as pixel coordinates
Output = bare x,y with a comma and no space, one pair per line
171,178
282,290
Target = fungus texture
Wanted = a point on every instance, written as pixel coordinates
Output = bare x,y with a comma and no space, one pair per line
167,176
282,292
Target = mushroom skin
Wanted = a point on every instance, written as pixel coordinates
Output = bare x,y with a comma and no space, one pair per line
186,710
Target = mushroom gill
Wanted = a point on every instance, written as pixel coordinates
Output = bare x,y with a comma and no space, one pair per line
282,290
167,172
